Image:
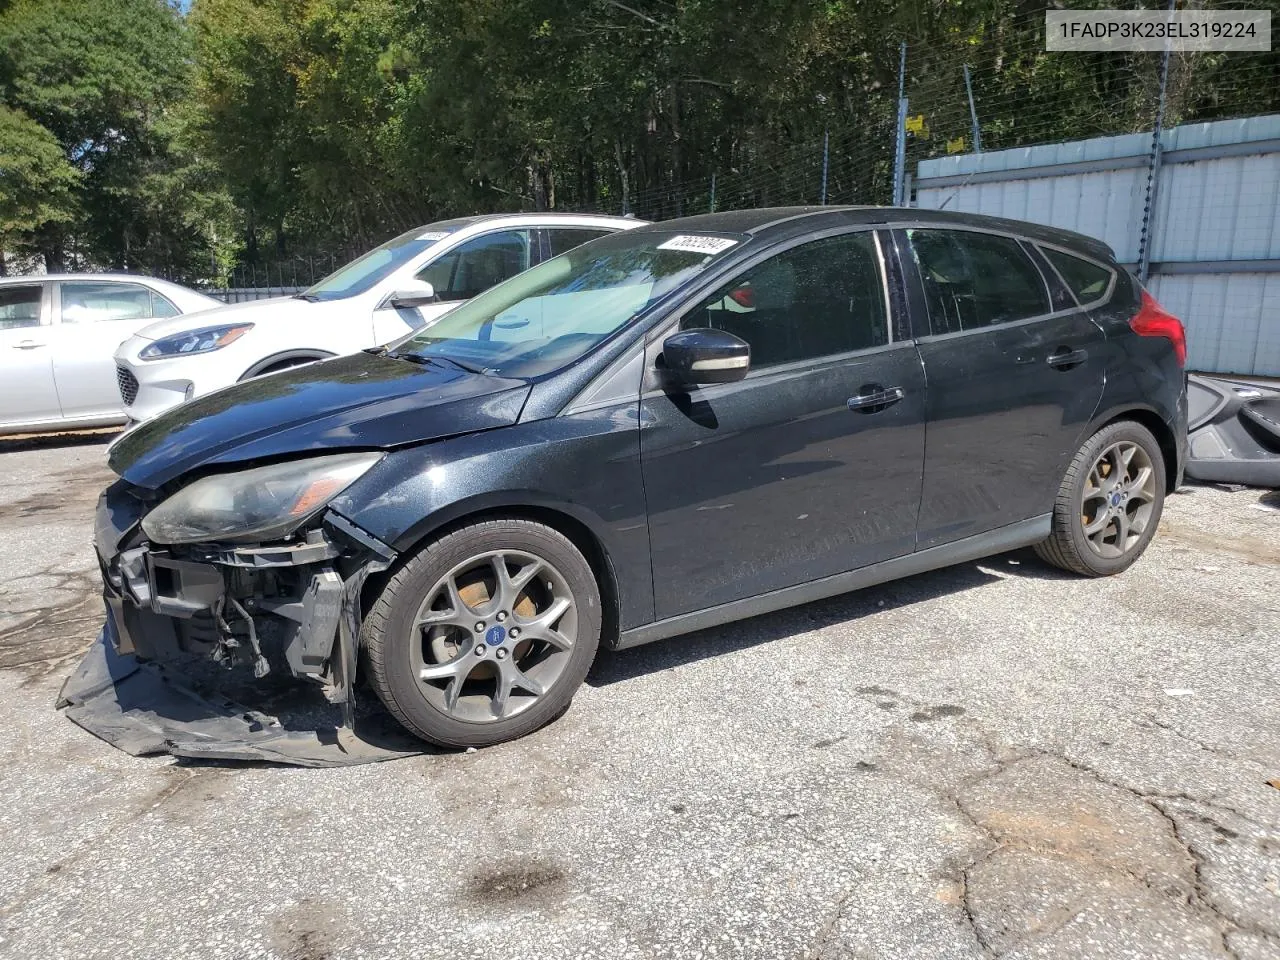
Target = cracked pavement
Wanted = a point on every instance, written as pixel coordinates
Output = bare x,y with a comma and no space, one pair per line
996,760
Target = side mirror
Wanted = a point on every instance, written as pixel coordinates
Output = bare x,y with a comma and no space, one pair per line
706,356
416,295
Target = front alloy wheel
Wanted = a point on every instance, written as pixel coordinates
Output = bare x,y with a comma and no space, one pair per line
485,634
493,635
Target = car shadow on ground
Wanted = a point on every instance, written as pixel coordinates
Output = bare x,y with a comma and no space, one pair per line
614,666
79,438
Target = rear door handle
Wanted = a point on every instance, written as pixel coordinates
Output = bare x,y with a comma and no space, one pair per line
873,398
27,345
1064,358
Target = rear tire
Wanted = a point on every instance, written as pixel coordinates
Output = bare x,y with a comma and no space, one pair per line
485,634
1109,504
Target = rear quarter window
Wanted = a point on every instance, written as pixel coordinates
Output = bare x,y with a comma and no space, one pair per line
1088,281
161,308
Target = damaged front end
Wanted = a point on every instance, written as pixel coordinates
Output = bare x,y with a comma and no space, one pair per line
292,606
288,606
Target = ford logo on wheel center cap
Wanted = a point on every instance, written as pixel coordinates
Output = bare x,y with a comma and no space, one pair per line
495,635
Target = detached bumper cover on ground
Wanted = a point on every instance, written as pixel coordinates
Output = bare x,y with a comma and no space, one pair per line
151,708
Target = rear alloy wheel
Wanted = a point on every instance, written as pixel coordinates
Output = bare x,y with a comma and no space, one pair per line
1109,504
485,634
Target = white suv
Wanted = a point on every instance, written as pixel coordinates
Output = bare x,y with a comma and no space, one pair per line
390,291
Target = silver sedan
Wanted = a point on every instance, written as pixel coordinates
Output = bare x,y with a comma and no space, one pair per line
57,337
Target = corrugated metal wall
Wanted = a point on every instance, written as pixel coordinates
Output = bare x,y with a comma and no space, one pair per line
1215,237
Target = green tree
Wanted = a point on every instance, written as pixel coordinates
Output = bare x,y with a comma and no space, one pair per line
104,81
302,104
336,123
37,184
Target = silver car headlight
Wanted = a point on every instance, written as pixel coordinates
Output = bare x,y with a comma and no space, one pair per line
264,503
195,341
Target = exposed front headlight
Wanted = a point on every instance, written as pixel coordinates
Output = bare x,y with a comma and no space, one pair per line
195,341
264,503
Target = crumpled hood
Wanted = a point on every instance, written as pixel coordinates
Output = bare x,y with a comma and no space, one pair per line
361,401
251,311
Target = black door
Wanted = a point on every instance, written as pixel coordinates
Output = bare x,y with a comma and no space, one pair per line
1012,382
796,472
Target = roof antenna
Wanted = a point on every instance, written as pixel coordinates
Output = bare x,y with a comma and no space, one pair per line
952,195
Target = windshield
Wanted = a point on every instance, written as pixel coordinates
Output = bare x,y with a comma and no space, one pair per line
379,263
548,317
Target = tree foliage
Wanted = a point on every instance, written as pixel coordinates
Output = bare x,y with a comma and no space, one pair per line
93,97
37,184
255,130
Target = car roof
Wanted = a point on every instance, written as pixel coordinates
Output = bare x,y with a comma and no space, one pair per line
546,216
779,222
113,276
186,299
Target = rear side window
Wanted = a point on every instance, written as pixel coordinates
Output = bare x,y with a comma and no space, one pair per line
89,302
563,239
20,306
1087,281
822,298
975,280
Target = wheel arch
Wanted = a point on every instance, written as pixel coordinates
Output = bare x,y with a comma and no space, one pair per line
284,356
1159,428
559,517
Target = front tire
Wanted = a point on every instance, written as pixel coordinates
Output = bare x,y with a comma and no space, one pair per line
1109,504
485,634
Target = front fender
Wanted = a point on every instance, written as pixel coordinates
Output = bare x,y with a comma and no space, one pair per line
584,467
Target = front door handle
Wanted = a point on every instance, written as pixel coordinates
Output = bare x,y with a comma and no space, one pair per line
27,345
872,398
1065,358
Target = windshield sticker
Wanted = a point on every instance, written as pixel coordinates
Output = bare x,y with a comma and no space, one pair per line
697,244
433,235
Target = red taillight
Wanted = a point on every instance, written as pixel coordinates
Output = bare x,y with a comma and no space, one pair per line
743,297
1153,320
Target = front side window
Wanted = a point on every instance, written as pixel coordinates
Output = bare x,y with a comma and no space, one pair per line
548,317
563,239
20,306
1087,281
479,264
379,263
815,300
85,302
974,280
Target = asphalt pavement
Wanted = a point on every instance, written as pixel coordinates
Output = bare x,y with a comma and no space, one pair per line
992,760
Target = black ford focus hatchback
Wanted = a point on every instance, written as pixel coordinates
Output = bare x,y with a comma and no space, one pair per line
662,430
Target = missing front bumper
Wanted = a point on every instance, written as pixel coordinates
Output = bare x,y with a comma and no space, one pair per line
186,628
232,604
